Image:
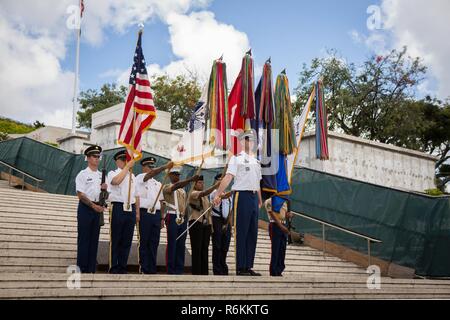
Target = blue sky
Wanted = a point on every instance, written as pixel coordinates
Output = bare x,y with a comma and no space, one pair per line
291,32
37,44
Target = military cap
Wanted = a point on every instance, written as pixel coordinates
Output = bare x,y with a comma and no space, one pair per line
248,135
149,161
122,154
176,170
92,150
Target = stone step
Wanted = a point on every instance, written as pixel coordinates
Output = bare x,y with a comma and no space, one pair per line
224,293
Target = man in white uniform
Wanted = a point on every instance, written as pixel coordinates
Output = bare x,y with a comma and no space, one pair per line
245,169
88,184
123,214
151,222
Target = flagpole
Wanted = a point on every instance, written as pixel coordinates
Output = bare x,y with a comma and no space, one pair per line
75,84
141,29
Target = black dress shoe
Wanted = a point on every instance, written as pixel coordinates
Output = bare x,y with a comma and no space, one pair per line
253,273
243,273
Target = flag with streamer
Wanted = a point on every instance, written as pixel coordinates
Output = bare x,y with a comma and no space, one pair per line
321,124
140,111
263,124
241,102
192,147
216,109
283,118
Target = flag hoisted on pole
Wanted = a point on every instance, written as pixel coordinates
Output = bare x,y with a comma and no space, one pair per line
77,71
140,111
321,124
241,102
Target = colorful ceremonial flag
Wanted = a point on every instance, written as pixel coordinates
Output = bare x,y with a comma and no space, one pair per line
216,109
140,111
300,125
283,115
241,102
263,124
321,124
192,147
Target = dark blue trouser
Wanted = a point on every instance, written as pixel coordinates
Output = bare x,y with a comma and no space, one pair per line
88,234
149,232
278,249
121,237
175,248
246,221
221,243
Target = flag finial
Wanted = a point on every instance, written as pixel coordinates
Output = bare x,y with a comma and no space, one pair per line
221,57
269,60
284,71
141,27
249,52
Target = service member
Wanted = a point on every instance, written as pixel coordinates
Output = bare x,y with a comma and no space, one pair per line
221,237
200,232
174,207
245,169
88,185
151,222
277,212
123,214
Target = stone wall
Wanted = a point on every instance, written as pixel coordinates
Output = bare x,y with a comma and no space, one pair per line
372,162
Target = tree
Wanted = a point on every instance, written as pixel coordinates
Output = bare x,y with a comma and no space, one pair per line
3,136
436,137
377,101
177,96
366,101
92,101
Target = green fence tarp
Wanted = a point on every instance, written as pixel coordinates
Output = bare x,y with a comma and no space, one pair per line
414,228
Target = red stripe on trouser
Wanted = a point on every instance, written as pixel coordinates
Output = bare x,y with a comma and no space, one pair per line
167,246
271,244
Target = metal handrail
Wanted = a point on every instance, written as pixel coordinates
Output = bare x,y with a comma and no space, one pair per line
24,174
324,223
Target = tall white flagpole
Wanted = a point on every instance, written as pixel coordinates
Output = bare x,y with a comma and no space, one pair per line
75,84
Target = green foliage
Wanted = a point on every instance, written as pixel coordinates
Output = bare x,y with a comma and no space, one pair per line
434,192
377,101
3,136
52,144
92,101
9,126
368,100
177,96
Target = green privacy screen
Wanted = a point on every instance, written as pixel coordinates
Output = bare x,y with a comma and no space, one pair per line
415,229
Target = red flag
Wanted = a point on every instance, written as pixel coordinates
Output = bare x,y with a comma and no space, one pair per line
237,122
140,111
81,8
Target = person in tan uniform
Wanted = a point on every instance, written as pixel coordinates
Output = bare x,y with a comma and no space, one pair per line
174,206
200,232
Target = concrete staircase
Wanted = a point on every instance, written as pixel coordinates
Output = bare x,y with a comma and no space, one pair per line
38,242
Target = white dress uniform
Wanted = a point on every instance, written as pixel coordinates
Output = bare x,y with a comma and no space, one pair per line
119,193
246,171
88,182
148,191
122,221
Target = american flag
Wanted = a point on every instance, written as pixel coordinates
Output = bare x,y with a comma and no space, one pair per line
81,8
140,110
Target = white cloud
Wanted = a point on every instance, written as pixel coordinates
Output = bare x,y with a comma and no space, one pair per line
34,38
197,39
423,27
